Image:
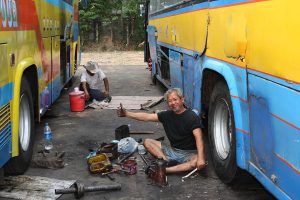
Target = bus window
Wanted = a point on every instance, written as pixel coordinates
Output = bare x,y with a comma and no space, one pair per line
157,5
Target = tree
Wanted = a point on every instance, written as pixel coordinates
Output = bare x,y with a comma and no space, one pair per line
113,17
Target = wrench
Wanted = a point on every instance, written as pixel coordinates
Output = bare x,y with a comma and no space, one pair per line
188,175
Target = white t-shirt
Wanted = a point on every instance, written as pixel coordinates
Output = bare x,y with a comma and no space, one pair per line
93,81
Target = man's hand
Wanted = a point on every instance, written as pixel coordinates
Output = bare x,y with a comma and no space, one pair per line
106,93
87,96
121,111
200,163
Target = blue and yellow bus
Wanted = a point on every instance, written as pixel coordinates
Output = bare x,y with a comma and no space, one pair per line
39,44
238,64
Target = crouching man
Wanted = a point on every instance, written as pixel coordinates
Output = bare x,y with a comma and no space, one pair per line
183,129
91,79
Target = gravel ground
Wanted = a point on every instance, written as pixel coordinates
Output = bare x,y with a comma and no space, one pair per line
115,58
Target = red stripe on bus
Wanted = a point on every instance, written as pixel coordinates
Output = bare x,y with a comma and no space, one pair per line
288,80
235,65
242,131
237,97
286,122
287,163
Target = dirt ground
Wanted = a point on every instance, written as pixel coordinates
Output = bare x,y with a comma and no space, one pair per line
76,133
115,58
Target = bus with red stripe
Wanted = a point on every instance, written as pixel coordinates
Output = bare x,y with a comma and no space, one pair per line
237,62
39,46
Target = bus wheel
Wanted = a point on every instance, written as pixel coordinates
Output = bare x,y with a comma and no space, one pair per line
19,164
154,79
221,130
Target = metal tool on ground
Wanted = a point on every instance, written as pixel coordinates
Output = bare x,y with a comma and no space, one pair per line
144,159
189,174
121,160
108,176
140,132
116,170
144,108
78,190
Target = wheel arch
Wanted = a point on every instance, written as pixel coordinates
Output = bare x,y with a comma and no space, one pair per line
25,68
236,81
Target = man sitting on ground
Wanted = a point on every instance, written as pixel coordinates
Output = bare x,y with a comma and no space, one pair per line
91,79
183,129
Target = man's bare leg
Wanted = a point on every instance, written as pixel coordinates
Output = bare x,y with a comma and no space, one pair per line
154,148
187,166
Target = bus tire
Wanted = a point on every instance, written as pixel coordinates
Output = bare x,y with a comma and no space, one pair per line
154,79
20,163
221,130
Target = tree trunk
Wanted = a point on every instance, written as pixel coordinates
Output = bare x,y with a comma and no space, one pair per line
112,31
97,32
127,33
132,26
94,31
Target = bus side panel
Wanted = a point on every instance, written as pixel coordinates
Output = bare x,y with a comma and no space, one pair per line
5,98
176,72
188,79
275,128
5,144
197,85
235,78
273,37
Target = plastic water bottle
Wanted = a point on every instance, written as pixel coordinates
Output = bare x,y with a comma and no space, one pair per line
47,137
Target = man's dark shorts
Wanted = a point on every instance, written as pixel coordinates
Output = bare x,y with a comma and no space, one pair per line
99,96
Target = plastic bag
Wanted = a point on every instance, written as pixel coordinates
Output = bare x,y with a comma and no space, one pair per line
127,145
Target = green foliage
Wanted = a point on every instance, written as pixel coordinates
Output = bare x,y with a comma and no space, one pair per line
130,8
118,19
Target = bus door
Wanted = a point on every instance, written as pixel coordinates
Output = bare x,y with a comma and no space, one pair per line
65,62
152,42
46,94
65,53
55,68
5,98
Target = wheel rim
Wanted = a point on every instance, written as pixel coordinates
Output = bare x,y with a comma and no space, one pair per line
24,123
222,129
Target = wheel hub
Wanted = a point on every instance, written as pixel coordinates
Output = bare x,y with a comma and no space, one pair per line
24,122
222,129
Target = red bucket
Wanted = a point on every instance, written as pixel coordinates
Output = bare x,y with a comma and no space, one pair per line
77,101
